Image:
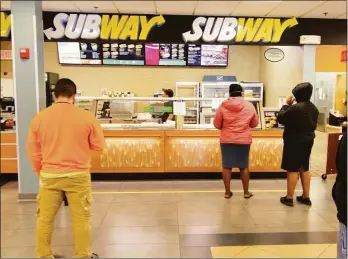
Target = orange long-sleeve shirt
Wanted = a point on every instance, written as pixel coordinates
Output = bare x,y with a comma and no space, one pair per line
61,137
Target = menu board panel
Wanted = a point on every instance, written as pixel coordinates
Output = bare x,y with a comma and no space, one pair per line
165,54
271,120
214,55
79,53
194,54
123,54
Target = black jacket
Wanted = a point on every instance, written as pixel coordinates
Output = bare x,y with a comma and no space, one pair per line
339,190
299,120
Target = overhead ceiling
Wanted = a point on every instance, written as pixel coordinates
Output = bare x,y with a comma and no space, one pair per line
285,8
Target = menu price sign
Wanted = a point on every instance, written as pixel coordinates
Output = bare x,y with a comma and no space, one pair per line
194,54
214,55
271,120
123,54
79,53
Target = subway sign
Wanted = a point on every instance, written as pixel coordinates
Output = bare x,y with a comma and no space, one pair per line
168,28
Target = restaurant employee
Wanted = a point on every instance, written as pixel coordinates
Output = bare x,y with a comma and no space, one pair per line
168,115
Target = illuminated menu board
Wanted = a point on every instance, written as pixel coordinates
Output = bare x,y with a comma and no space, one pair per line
207,55
79,53
165,54
123,54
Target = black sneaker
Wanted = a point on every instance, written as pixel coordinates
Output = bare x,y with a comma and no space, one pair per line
94,255
287,202
305,201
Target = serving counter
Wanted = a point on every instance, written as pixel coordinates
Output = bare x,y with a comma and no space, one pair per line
163,149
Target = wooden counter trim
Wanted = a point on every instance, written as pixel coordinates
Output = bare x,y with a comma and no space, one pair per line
8,166
8,137
216,133
133,133
8,151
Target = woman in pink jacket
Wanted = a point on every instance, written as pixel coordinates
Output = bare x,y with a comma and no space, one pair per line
235,118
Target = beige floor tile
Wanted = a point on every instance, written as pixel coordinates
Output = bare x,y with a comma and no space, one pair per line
20,221
136,220
330,252
255,252
142,208
138,251
19,208
137,235
5,234
218,229
296,251
148,197
18,252
214,218
22,238
223,205
304,227
227,251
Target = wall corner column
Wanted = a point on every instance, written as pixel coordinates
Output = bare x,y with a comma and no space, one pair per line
29,85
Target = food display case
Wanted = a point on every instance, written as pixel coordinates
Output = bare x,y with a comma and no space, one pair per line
189,89
253,92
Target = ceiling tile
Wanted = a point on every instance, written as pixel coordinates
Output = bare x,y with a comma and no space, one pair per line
5,5
215,7
255,8
176,7
136,7
90,6
59,6
343,16
294,8
332,8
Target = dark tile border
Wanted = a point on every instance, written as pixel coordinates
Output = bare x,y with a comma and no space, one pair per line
248,239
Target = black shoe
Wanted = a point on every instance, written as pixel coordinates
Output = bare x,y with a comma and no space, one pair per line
287,202
305,201
94,255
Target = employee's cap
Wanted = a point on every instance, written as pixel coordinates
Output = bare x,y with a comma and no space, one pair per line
168,92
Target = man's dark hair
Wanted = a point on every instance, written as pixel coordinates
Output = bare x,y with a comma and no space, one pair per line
168,92
235,90
65,88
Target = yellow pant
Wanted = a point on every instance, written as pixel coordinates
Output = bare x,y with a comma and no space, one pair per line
77,189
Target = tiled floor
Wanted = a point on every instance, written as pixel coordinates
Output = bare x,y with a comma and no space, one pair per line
183,219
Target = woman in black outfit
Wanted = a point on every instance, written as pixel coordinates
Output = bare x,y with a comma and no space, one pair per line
300,122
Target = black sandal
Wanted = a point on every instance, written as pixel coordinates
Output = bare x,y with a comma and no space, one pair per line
228,195
248,196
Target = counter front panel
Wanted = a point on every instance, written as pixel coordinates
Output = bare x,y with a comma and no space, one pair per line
8,153
158,151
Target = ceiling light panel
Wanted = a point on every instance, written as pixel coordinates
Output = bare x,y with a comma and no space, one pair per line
176,7
215,7
332,8
294,8
90,6
343,16
255,8
136,7
5,5
59,6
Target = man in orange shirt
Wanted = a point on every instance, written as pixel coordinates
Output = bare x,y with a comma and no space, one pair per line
59,148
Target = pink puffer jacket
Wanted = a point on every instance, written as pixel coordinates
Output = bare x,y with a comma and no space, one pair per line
235,118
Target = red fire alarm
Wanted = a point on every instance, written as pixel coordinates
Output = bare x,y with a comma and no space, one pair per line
24,53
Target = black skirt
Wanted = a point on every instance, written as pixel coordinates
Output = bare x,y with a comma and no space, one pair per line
296,156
